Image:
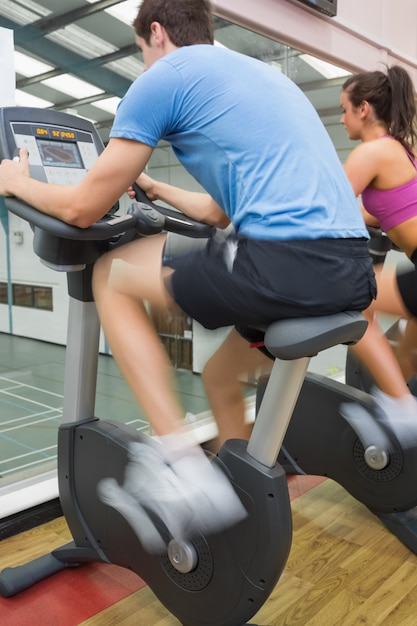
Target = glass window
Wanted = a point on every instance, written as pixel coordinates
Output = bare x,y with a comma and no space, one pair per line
30,296
42,297
22,295
3,293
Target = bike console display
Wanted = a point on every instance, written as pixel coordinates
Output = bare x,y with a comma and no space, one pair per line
62,147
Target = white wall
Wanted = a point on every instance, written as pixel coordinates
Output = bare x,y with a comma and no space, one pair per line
364,33
7,73
26,268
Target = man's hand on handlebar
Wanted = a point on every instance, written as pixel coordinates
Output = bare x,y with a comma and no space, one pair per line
196,205
10,168
146,183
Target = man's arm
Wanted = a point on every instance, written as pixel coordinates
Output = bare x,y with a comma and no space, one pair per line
81,205
194,204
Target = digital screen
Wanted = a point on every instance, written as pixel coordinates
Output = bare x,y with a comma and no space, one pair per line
59,154
328,7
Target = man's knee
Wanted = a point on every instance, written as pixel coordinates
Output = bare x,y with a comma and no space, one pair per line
101,272
217,372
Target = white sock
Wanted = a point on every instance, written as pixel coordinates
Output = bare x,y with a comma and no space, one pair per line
400,414
403,410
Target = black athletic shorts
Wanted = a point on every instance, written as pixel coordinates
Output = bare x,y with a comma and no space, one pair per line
407,285
243,282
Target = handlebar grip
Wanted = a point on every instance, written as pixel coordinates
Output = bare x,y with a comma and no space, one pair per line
102,230
149,221
175,221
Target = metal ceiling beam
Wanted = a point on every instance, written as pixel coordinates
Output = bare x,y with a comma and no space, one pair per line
69,61
322,83
104,123
330,112
73,103
50,23
88,63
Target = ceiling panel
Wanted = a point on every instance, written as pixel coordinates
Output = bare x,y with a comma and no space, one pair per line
94,42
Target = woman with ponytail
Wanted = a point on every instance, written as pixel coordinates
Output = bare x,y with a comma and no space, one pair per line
379,109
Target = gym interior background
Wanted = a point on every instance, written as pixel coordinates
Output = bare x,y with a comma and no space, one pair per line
80,56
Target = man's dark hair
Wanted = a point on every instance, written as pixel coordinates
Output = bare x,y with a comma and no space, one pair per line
187,22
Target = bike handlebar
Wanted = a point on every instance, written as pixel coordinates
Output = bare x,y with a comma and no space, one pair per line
112,225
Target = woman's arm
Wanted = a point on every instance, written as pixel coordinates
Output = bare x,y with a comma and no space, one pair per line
369,219
361,170
361,166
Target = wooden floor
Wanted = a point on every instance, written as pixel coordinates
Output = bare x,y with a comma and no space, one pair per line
344,569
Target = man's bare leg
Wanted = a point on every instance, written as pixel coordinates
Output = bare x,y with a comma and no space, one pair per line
174,479
122,281
221,377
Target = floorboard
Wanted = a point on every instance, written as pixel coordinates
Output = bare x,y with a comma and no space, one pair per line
345,569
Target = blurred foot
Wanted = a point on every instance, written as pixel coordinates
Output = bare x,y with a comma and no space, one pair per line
189,495
112,494
388,416
399,415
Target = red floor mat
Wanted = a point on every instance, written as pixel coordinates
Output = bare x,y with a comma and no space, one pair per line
87,590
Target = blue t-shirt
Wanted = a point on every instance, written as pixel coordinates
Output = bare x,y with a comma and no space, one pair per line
250,137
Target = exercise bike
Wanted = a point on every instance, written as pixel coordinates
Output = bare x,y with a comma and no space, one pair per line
355,373
363,456
217,580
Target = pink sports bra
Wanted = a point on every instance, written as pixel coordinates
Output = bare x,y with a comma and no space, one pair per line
391,207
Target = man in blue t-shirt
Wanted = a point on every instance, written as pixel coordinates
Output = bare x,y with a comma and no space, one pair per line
253,141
